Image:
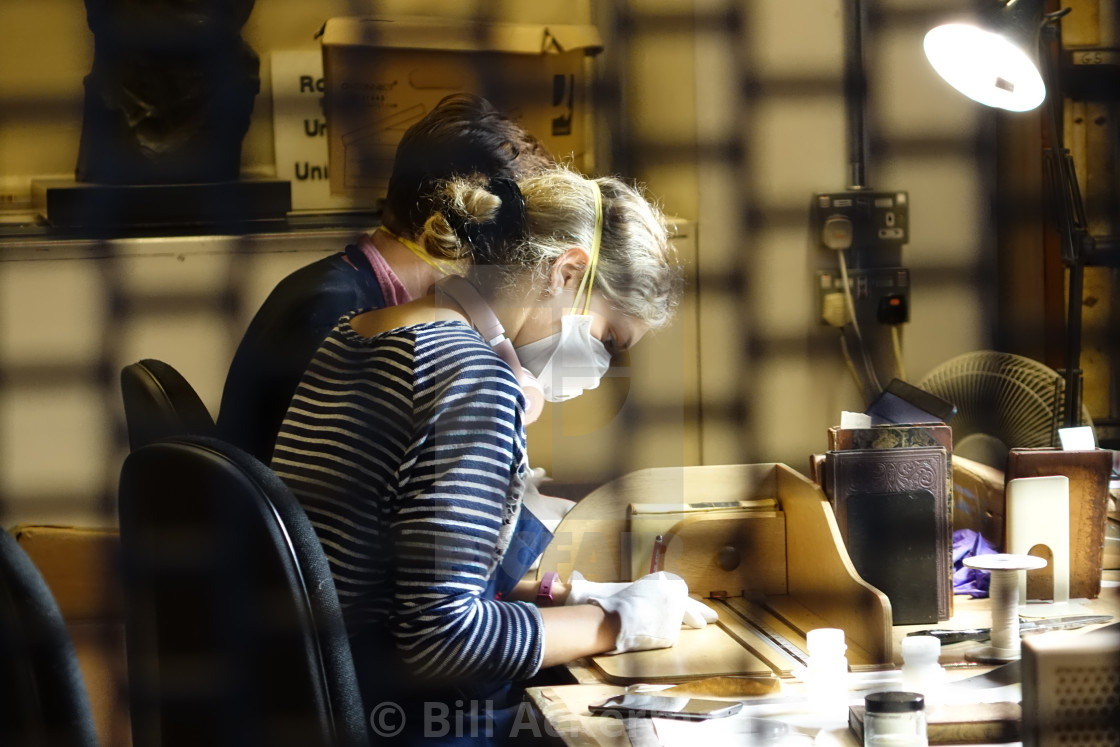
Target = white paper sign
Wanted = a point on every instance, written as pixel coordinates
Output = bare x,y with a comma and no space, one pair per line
300,131
849,420
1078,438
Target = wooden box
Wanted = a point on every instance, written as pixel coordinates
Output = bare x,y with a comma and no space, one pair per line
1088,472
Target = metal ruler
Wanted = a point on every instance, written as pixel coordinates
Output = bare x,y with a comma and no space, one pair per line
758,634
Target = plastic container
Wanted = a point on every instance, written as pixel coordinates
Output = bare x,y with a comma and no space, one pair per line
894,719
921,671
827,673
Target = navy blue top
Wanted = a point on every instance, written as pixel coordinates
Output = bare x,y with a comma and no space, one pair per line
293,321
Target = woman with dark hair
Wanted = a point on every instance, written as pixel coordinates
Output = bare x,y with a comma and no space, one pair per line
462,135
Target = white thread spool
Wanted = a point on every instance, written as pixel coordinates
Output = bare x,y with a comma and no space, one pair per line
1003,592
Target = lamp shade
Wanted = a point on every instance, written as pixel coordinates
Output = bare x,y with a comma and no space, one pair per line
992,59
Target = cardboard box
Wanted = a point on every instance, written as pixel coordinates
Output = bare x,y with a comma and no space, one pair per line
383,74
81,566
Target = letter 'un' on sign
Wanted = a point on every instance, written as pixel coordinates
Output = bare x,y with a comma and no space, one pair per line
299,127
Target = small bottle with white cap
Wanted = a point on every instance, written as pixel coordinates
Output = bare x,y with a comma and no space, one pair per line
827,673
921,671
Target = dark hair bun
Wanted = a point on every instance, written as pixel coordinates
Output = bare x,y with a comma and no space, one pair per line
489,240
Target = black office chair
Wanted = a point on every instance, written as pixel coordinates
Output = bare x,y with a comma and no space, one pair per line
44,701
233,626
159,402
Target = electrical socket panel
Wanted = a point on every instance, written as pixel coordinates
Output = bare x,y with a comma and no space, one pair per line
880,294
862,219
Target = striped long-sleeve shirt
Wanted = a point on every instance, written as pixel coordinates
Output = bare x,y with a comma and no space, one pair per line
407,450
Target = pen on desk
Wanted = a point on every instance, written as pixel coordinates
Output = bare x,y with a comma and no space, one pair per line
655,558
1026,626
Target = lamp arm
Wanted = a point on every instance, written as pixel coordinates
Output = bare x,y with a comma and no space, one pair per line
1072,225
1061,171
1051,18
1079,246
855,93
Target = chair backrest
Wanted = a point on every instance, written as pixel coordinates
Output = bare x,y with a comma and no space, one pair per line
44,701
233,626
159,402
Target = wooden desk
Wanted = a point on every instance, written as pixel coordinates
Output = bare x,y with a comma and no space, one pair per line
789,574
562,709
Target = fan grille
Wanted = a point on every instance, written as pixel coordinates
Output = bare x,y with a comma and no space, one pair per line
1014,399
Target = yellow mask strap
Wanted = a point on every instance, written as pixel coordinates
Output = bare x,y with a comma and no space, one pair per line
588,279
418,250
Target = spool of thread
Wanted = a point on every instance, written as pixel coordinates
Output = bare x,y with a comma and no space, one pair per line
1003,592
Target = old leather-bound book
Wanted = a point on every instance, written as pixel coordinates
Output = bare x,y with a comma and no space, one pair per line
893,513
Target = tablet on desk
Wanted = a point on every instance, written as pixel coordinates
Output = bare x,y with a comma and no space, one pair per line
630,705
903,403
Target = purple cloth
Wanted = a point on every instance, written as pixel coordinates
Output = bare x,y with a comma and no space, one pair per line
971,581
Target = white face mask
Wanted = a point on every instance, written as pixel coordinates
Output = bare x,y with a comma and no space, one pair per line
568,362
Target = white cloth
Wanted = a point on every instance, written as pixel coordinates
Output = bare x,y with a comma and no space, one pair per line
548,509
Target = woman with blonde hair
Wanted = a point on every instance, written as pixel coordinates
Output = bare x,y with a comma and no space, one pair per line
405,442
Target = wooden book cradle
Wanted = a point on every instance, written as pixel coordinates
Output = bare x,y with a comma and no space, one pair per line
772,574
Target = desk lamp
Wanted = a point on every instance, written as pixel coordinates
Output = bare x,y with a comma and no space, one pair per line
994,58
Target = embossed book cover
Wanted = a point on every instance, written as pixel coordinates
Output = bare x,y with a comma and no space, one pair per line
892,508
893,436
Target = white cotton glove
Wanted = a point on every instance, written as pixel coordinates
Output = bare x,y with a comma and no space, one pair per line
697,614
650,612
581,591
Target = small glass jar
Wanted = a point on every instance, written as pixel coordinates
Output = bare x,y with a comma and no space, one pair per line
894,719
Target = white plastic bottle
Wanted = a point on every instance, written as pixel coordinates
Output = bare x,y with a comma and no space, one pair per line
921,672
827,673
